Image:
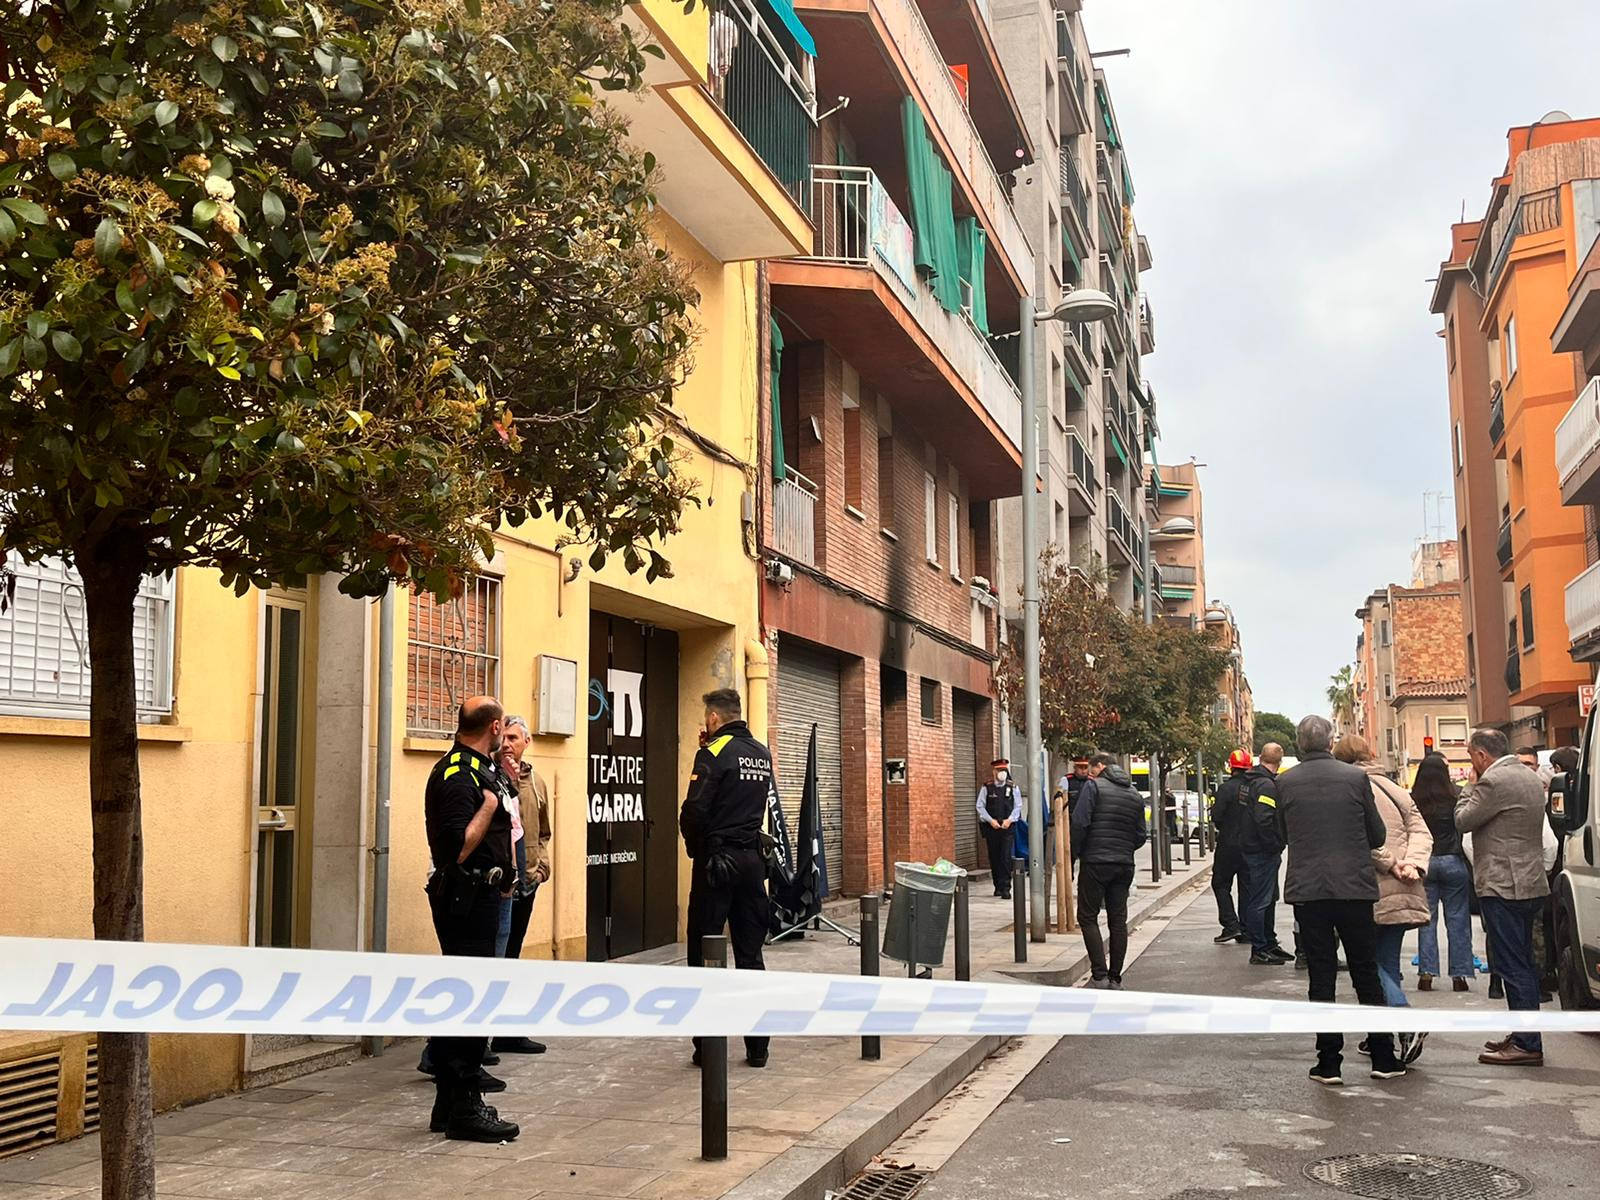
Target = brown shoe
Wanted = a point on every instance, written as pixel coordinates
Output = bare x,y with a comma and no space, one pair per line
1424,983
1512,1056
1459,984
1496,1047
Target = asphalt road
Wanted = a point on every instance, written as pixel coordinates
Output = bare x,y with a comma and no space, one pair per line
1192,1118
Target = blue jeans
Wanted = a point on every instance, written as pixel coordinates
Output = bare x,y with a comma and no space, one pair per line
1262,872
1448,882
1387,944
502,934
1510,927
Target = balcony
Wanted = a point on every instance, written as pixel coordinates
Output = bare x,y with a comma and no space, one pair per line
860,292
1513,672
1536,212
1084,473
1583,615
1076,195
1578,448
1497,414
1180,576
794,518
1075,106
1121,536
1147,326
1502,548
766,96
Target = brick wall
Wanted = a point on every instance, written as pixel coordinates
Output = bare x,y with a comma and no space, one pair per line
1428,637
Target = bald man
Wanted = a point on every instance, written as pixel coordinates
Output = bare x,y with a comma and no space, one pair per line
469,838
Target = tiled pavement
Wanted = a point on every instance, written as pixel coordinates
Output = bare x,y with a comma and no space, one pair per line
600,1118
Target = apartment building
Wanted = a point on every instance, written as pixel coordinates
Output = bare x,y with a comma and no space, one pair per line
1235,704
259,715
1502,293
894,431
1178,543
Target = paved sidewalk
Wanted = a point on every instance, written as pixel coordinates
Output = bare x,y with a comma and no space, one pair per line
600,1118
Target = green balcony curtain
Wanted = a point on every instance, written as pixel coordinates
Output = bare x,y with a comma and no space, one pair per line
933,222
972,243
780,472
1116,444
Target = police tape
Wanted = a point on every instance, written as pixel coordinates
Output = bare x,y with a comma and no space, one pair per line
87,986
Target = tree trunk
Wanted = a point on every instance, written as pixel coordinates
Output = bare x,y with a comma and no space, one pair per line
111,567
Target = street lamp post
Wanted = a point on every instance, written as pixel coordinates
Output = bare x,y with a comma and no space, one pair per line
1083,305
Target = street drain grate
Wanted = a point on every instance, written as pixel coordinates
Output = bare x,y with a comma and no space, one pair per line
884,1184
1417,1177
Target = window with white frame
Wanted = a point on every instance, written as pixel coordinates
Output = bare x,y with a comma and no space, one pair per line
930,518
452,652
1452,731
44,644
1511,348
1388,687
954,536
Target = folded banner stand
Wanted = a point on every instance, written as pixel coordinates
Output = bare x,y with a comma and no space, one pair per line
87,986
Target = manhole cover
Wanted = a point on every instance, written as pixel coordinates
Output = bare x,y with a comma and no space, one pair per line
1417,1177
883,1184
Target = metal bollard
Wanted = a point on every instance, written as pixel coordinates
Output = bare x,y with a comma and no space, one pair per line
871,1047
1188,832
963,931
911,935
714,1070
1019,910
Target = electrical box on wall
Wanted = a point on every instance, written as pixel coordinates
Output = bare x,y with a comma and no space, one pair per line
556,714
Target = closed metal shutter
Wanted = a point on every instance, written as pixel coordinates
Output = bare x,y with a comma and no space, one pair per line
964,750
808,691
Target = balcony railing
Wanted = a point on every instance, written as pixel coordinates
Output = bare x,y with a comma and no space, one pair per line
765,94
1119,526
1067,55
1513,671
1536,212
794,518
1179,576
1502,549
1583,606
1578,435
1497,414
1081,464
1072,185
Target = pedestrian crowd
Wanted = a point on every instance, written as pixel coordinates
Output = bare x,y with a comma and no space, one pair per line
1369,861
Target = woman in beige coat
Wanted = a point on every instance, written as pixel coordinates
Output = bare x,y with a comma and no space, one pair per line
1402,863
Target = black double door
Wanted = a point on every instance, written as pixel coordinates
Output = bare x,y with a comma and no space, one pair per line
633,788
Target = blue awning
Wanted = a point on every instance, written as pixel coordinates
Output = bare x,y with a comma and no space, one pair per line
791,21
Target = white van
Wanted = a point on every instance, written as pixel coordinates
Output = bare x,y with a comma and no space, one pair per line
1575,809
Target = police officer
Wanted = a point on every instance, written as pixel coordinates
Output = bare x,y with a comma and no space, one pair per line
721,821
999,808
469,838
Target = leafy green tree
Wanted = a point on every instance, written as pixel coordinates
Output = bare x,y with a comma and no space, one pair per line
291,288
1274,727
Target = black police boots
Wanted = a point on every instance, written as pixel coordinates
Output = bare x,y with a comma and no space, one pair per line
471,1120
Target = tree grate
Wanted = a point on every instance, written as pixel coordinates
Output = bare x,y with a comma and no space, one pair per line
1417,1177
884,1183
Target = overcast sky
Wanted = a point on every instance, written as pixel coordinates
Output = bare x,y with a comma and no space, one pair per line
1297,165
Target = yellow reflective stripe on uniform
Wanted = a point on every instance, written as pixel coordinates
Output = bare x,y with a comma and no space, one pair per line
456,757
721,744
1268,801
449,771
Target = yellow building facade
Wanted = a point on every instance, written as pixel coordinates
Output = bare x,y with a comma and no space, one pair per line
259,742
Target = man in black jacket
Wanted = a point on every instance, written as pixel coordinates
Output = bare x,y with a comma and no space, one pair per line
1261,842
721,823
1332,827
1227,868
1107,830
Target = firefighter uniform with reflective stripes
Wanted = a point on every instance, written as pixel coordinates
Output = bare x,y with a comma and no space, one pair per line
721,822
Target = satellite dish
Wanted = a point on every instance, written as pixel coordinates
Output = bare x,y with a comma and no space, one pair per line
1554,116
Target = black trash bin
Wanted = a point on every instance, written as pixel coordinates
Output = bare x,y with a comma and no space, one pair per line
919,913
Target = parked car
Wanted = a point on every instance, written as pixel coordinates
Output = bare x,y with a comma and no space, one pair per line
1575,899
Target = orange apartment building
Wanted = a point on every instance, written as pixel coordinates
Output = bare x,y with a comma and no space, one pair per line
1502,293
895,428
1178,542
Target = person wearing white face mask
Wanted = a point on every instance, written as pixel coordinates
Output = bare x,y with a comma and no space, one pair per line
999,808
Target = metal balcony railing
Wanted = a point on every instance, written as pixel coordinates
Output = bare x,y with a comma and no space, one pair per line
1536,212
767,96
1081,464
1583,606
1068,57
1578,435
1179,576
1119,526
794,518
1497,414
1072,185
1502,549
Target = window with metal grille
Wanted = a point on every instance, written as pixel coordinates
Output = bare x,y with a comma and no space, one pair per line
44,644
452,652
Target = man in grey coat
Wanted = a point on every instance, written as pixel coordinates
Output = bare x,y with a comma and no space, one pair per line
1332,826
1504,813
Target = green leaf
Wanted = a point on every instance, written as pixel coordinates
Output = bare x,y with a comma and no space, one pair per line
8,228
10,356
67,346
284,31
25,210
230,373
61,166
225,48
136,358
210,71
125,300
166,112
107,240
33,352
158,260
272,208
327,129
205,211
37,324
211,467
304,158
350,85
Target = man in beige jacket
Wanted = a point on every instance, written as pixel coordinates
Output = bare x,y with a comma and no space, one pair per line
1504,813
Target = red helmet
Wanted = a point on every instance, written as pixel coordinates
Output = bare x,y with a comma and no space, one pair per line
1240,760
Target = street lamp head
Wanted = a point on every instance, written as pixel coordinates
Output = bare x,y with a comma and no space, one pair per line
1082,305
1176,527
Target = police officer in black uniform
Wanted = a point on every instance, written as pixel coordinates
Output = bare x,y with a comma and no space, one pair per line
999,808
722,818
469,837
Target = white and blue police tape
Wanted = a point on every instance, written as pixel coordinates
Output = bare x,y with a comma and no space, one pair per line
87,986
